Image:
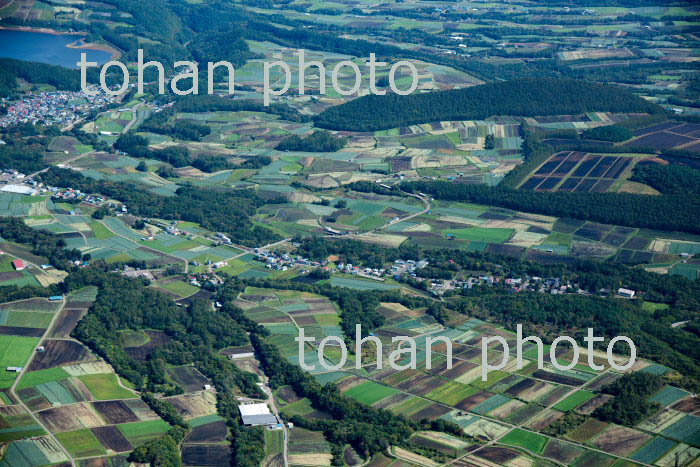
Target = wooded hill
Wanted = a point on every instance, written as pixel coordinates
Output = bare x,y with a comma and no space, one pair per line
521,97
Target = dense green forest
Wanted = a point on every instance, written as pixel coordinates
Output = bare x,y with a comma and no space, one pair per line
629,406
318,141
25,156
59,77
218,210
667,212
179,156
199,104
523,97
613,133
353,252
41,242
669,179
197,333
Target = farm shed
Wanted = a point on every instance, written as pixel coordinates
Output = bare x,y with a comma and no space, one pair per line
625,292
257,414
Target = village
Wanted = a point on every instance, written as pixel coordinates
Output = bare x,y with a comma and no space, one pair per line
63,108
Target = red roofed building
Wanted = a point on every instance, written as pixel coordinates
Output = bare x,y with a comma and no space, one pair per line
18,264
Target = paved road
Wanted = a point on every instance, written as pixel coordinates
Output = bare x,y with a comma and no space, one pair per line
426,203
30,176
24,369
134,117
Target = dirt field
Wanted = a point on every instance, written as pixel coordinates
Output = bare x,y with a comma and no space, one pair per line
59,353
206,456
472,401
310,459
431,412
188,378
157,339
195,405
115,412
208,433
588,407
69,417
562,451
620,440
411,457
111,438
65,323
497,455
689,405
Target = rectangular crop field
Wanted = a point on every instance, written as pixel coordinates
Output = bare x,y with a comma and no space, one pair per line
369,392
525,439
574,400
14,351
482,234
104,386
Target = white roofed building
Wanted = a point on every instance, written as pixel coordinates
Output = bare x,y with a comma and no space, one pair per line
257,414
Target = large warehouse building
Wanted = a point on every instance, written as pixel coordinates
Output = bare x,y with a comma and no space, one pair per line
257,414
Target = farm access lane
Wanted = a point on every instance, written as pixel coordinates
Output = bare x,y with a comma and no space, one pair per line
24,369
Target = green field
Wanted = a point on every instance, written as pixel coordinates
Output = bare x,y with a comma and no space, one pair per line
183,289
141,432
574,400
104,386
525,439
369,392
81,443
451,392
42,376
359,284
14,351
481,234
274,442
101,232
26,319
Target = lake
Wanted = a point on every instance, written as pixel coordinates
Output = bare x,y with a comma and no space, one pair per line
46,48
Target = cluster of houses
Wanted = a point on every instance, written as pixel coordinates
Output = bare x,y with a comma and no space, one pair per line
62,108
284,261
551,285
